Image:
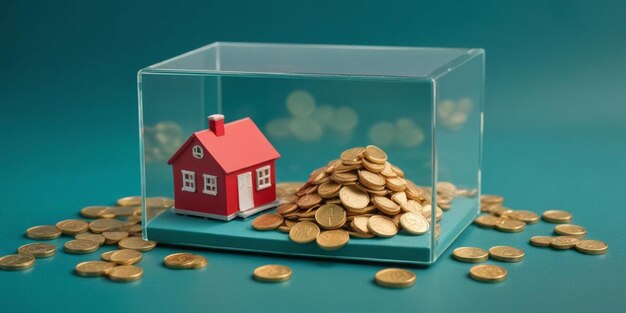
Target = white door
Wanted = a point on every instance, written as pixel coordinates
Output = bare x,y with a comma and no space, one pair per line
244,185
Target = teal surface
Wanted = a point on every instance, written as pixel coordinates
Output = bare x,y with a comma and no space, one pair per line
554,138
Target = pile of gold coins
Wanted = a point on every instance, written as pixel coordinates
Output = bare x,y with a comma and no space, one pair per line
359,195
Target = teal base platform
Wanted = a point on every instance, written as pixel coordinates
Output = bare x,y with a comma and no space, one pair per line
238,234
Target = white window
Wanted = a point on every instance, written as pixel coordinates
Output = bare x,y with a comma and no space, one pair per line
210,184
263,179
197,152
189,181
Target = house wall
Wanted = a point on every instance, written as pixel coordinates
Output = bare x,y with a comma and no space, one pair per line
199,201
260,196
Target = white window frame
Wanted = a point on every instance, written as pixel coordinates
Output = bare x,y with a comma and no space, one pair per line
197,152
263,177
210,181
189,177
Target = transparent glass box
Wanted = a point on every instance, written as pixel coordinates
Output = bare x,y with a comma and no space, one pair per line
423,106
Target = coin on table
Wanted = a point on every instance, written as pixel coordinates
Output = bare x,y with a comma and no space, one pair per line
125,273
375,154
488,273
330,216
80,246
470,254
414,223
563,242
491,199
43,232
179,260
113,237
591,247
487,221
557,216
570,230
332,239
97,211
353,198
38,250
510,226
16,262
540,241
382,226
104,224
304,232
93,268
267,221
106,256
129,201
506,254
527,217
72,227
272,273
395,278
136,243
199,262
126,256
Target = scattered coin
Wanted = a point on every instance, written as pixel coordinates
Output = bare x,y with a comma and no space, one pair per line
570,230
136,243
488,273
563,242
488,221
527,217
80,246
179,260
506,254
93,268
540,241
113,237
591,247
267,221
90,236
97,211
491,199
72,227
16,262
126,256
332,239
106,256
395,278
43,232
557,216
125,273
105,224
38,250
414,223
272,273
304,232
510,226
129,201
470,254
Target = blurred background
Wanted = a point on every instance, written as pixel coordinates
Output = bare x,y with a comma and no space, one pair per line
68,121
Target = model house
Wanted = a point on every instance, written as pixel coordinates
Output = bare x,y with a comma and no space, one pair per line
224,171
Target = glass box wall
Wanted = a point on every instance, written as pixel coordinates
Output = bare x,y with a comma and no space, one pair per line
421,106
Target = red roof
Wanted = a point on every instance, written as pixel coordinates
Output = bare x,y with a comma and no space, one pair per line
242,145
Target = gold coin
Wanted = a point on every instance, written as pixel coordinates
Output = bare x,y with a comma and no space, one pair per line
570,230
106,256
488,221
506,254
557,216
158,202
412,206
499,211
38,250
89,236
540,241
414,223
395,278
309,200
353,198
104,224
372,167
396,184
272,273
80,246
359,224
125,273
126,256
488,273
399,197
591,247
43,232
286,208
382,226
563,242
329,189
113,237
136,243
16,262
352,155
267,221
375,154
199,262
470,254
491,199
527,217
388,171
332,239
510,226
427,212
124,210
129,201
330,216
397,170
304,232
386,206
371,180
179,260
93,268
72,227
97,211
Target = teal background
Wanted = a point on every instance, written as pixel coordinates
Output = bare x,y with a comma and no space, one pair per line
554,138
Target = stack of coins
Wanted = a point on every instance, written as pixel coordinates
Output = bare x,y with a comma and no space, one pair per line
503,218
359,195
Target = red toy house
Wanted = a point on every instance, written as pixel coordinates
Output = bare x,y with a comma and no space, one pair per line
224,171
